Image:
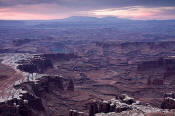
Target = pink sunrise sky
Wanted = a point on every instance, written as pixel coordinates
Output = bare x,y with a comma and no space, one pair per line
59,9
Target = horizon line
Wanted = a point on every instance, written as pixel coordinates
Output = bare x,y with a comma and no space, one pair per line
84,16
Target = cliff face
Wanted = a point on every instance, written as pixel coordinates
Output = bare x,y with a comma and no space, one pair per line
31,96
35,65
122,105
167,64
43,85
169,101
40,63
150,65
30,101
26,104
161,71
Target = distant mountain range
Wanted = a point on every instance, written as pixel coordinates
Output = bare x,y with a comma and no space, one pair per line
89,19
79,19
145,26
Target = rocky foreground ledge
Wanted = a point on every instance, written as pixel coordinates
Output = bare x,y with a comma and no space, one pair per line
123,105
29,101
25,98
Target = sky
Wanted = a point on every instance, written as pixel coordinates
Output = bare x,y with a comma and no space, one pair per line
59,9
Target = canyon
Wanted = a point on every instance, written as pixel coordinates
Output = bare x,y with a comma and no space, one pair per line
76,84
88,68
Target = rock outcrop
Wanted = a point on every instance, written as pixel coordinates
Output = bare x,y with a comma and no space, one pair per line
43,85
122,105
40,63
29,101
26,104
37,64
169,101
